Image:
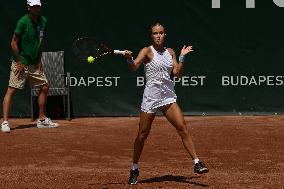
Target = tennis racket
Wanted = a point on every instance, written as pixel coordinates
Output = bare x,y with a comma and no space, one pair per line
89,49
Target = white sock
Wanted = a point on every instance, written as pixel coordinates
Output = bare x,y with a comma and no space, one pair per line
196,160
134,166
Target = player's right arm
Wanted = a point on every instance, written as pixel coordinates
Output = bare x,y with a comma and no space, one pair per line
15,48
16,52
133,65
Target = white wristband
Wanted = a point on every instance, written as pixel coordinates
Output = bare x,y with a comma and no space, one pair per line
130,61
181,58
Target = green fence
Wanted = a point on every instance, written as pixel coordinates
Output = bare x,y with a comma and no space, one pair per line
236,68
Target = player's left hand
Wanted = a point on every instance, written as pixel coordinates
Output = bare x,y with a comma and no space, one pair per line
39,67
185,50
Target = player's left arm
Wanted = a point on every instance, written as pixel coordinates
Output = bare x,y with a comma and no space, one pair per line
178,66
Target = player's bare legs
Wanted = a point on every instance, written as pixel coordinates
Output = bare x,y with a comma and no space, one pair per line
175,116
7,102
42,101
43,121
145,124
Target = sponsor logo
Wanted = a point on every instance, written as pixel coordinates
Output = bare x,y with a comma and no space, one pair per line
93,81
184,81
252,80
111,81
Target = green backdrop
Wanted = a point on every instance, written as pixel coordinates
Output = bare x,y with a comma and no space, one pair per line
236,68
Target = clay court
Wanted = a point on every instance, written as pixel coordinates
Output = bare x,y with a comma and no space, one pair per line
241,152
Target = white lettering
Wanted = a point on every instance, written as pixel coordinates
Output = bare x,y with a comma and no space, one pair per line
108,81
270,80
279,80
116,80
100,82
202,80
184,80
82,82
261,79
252,80
72,84
194,81
91,80
244,80
176,80
225,81
94,81
140,81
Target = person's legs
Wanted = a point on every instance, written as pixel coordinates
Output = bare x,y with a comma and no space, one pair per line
175,116
42,101
37,78
15,82
145,123
43,121
7,102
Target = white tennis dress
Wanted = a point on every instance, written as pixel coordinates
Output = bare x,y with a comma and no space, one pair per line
159,89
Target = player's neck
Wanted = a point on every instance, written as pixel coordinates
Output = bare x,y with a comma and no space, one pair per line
34,17
159,48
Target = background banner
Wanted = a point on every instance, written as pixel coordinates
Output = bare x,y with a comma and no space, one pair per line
236,68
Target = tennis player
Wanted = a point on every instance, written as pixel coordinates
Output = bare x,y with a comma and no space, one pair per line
26,46
159,94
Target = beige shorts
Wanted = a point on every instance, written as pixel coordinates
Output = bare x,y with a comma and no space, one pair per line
30,73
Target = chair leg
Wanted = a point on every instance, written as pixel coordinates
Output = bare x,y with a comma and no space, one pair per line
68,97
32,108
64,104
68,106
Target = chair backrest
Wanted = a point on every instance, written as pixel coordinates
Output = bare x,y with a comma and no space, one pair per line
53,67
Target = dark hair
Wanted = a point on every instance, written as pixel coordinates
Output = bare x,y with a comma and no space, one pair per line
153,25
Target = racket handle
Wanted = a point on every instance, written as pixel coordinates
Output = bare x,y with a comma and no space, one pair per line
119,52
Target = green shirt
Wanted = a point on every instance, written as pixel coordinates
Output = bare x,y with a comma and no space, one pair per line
30,37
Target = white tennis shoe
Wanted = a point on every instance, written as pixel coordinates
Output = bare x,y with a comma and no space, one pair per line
5,127
46,123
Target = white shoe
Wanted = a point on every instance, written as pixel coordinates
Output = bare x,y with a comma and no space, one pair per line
5,127
46,123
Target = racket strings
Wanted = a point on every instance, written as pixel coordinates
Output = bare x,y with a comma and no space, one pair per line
85,47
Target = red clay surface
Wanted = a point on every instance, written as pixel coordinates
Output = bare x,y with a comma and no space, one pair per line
241,152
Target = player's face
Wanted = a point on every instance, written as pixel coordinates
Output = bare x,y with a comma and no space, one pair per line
35,10
158,35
